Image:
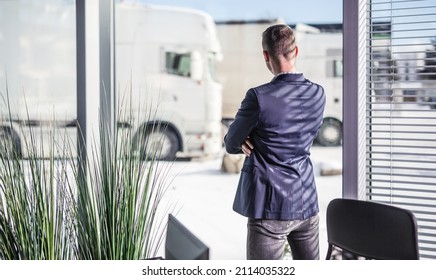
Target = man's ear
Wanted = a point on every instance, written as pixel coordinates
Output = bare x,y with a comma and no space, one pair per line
296,51
266,56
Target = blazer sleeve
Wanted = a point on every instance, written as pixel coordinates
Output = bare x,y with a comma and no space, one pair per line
245,120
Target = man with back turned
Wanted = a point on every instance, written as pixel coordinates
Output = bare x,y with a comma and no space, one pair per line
275,127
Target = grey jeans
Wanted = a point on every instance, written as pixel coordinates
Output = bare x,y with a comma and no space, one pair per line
266,239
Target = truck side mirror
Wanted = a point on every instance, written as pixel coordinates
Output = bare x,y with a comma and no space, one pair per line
196,66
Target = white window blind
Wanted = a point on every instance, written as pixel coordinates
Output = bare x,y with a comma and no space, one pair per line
401,110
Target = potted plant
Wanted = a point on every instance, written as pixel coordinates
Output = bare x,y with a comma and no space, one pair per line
50,210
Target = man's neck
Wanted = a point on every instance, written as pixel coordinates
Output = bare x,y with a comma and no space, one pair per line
284,70
283,66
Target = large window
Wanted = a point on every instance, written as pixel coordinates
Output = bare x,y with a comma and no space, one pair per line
397,129
401,123
37,69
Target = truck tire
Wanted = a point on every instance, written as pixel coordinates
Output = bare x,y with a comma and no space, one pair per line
10,146
330,133
160,144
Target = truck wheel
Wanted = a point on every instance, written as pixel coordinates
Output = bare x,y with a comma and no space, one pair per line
161,144
10,146
330,133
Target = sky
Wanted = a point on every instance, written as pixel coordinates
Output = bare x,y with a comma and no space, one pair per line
291,11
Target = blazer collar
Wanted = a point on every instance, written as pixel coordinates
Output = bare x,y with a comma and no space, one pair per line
289,77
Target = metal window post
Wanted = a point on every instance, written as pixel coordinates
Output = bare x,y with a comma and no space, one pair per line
81,103
354,87
95,74
107,67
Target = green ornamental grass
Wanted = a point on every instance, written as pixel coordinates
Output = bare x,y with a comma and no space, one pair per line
53,209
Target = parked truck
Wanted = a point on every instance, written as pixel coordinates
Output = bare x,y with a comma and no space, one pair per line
164,55
319,58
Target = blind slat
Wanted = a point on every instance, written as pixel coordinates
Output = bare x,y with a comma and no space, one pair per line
411,198
393,181
401,139
402,168
405,189
375,3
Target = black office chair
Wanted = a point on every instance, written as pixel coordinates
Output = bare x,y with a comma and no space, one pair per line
371,230
182,244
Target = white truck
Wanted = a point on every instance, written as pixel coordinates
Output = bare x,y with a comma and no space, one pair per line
164,56
320,59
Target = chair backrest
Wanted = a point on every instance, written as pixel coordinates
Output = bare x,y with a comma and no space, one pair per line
182,244
372,230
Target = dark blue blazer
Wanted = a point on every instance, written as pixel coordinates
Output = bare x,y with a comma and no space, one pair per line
282,118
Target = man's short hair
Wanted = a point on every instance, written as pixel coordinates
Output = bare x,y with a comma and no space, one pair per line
279,40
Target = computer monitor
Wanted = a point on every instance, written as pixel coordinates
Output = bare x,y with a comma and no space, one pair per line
181,244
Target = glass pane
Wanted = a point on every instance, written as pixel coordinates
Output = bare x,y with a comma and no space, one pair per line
37,69
164,56
196,60
400,110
